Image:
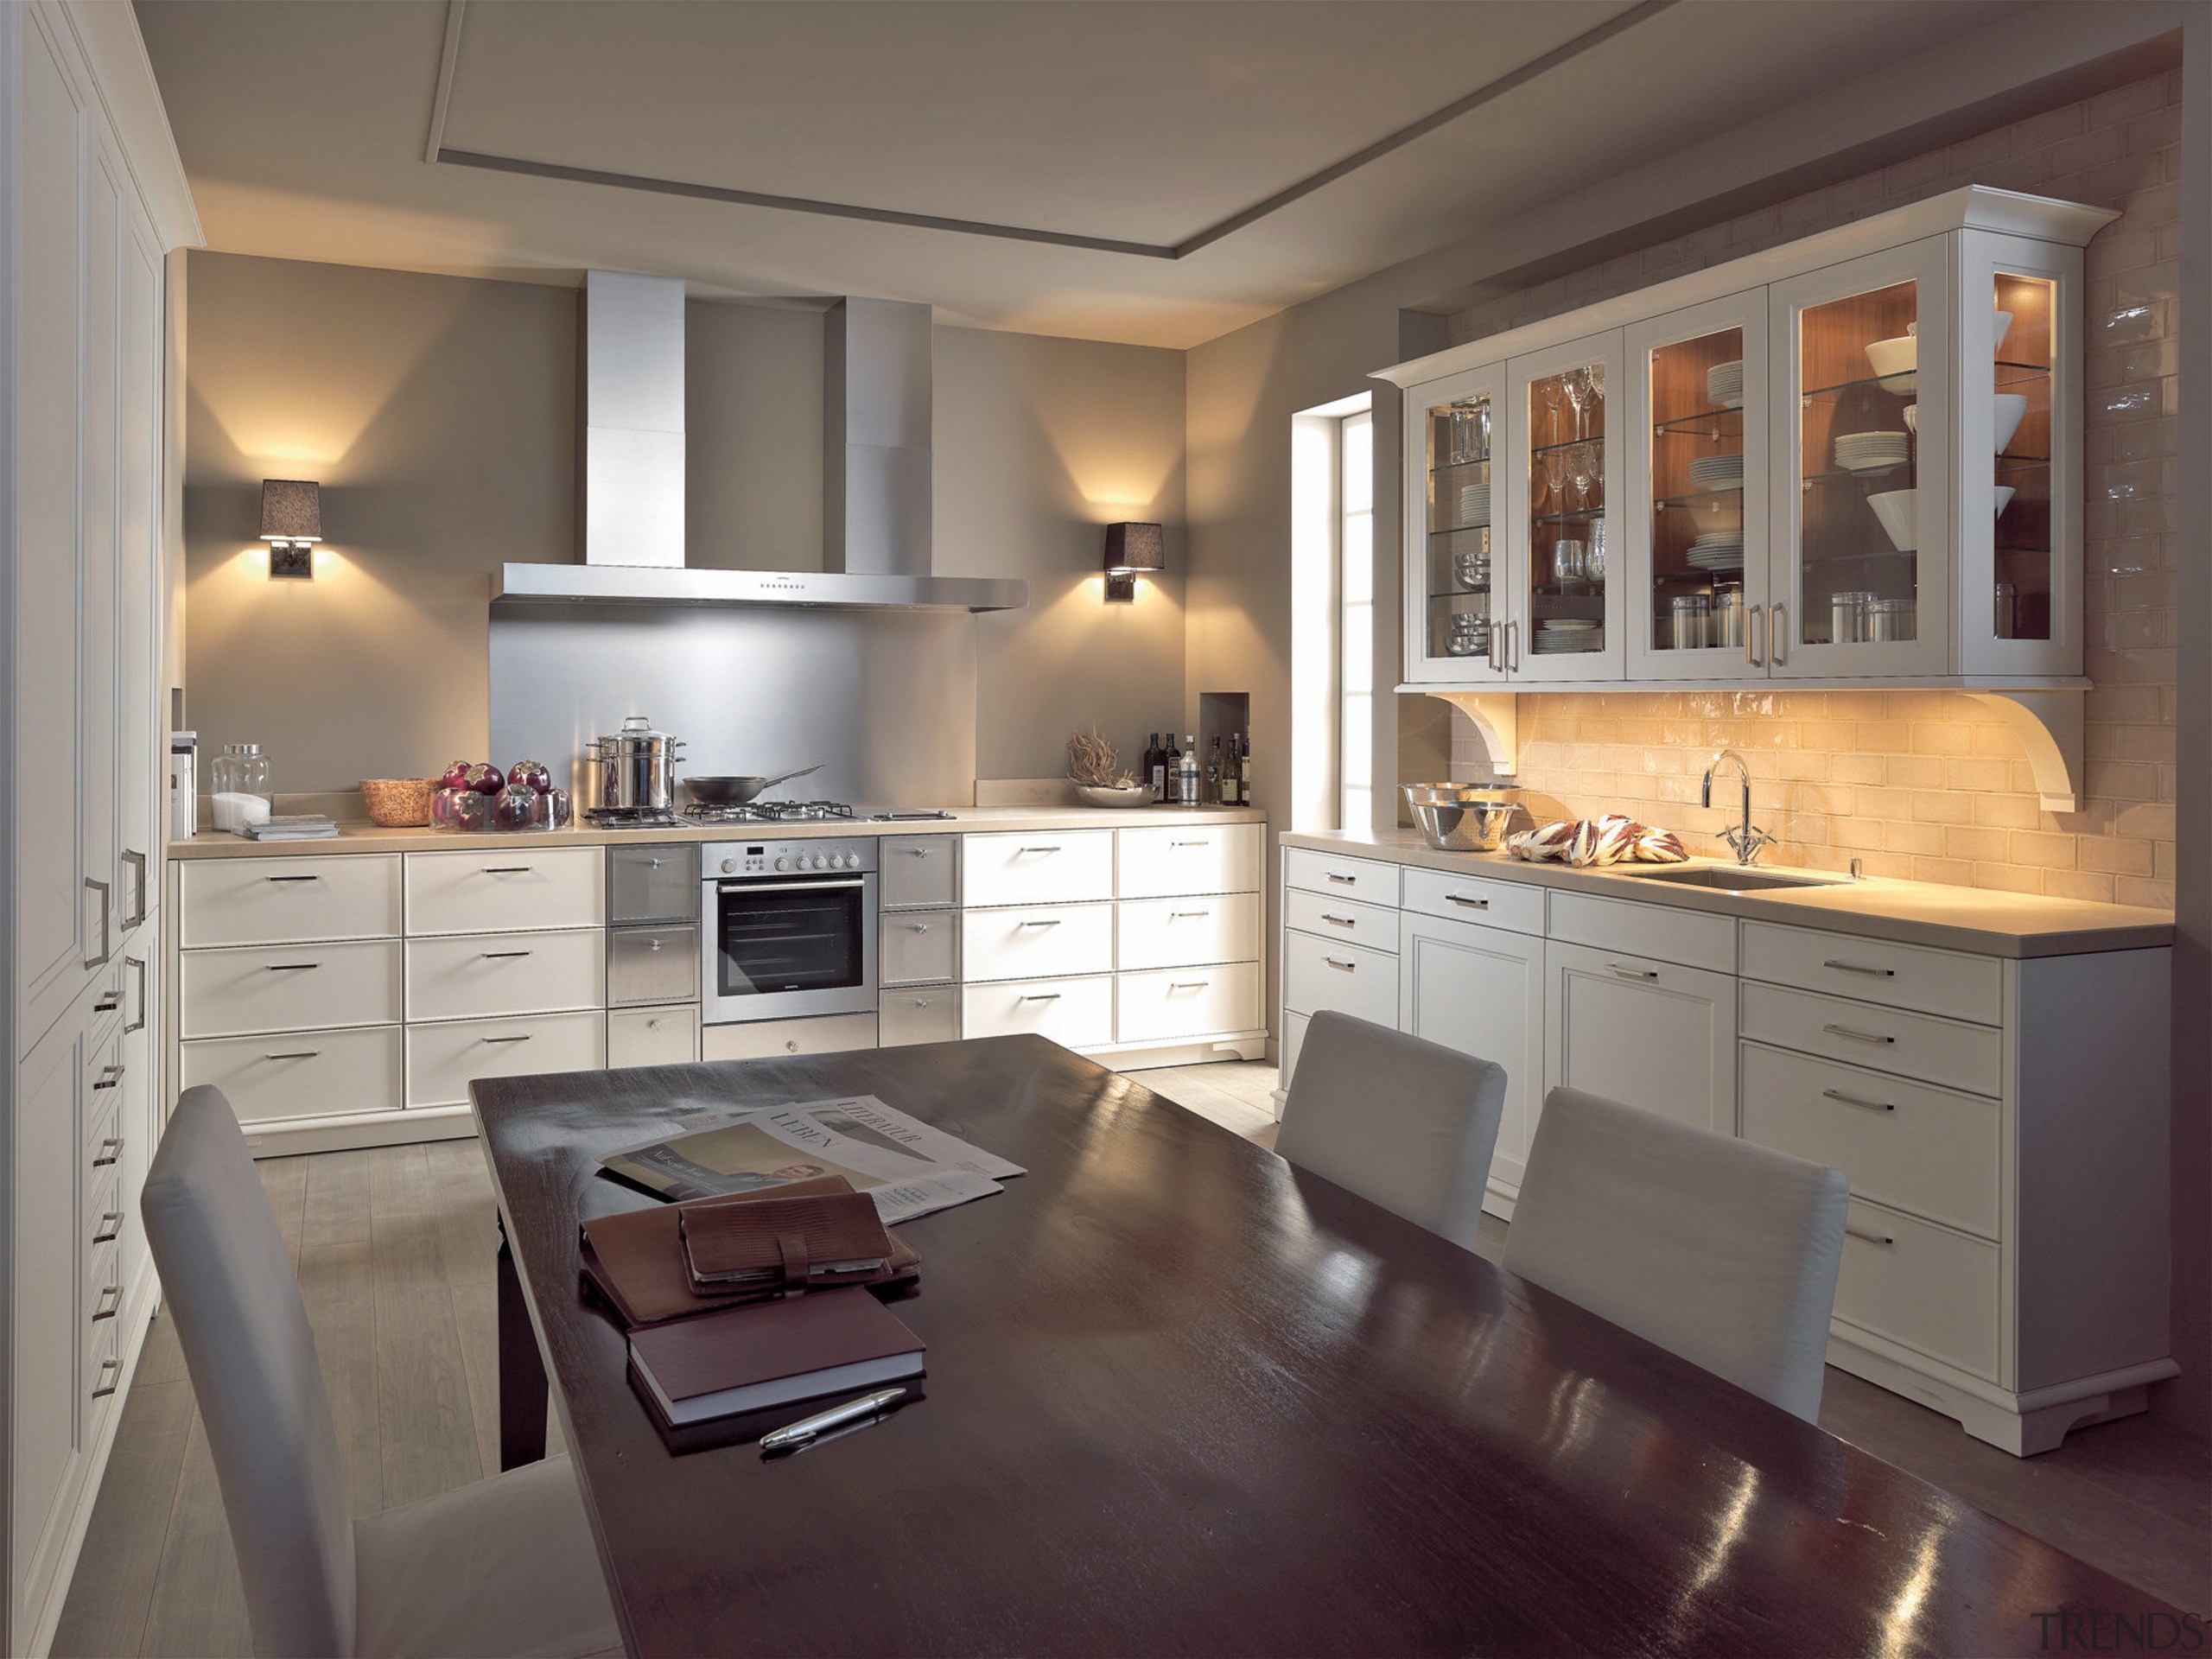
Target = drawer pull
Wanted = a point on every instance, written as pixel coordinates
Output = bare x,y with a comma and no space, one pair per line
915,852
1042,997
921,1001
111,1368
508,869
1189,843
110,1076
295,1054
1857,1036
1334,921
110,1300
293,967
1177,915
292,878
523,1037
110,1150
1872,1238
1048,921
1631,972
138,911
1038,850
1188,984
1345,881
652,863
137,968
110,1001
502,956
918,927
1472,904
111,1221
1347,967
1859,968
1853,1100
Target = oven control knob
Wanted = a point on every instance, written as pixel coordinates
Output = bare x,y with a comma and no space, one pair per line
820,862
728,865
783,863
837,861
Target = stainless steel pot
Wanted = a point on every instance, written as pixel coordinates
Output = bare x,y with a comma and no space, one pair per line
1461,817
636,766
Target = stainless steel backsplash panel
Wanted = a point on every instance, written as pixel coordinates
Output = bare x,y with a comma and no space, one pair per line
885,701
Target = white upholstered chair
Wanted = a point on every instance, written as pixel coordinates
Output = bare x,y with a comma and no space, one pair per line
505,1566
1402,1121
1721,1251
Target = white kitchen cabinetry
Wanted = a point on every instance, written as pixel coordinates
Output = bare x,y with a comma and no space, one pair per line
1340,943
1478,987
1654,1034
94,197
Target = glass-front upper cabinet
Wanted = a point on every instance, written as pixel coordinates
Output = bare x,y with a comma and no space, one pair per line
1865,532
1694,482
1562,621
1455,626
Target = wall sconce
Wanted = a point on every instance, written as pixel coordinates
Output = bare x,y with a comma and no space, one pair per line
1130,548
291,523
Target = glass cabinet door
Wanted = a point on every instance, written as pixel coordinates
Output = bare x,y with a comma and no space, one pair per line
1452,626
1695,482
1563,623
1865,531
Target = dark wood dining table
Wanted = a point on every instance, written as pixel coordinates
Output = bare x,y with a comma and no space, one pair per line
1185,1398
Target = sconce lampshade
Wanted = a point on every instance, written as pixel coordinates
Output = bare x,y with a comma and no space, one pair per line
1134,547
292,509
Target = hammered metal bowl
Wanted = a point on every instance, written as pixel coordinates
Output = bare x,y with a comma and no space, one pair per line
1461,817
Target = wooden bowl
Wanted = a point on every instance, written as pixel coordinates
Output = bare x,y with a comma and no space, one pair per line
398,803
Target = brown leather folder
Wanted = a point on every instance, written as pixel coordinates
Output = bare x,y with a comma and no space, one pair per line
813,1243
636,1261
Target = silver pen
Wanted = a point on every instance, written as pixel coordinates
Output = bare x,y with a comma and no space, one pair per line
822,1422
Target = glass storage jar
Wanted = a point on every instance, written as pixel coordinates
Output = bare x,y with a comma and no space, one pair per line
240,785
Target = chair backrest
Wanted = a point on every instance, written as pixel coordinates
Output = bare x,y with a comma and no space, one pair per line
1402,1121
1721,1251
229,1282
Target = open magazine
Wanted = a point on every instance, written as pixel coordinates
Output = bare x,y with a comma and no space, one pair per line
906,1166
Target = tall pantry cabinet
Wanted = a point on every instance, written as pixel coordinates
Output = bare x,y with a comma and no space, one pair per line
93,199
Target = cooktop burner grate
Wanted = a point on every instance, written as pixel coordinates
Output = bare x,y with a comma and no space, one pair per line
632,818
769,812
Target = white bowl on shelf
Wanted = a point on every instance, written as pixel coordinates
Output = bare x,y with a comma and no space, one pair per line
2004,492
1898,513
1895,362
2011,410
1912,420
2004,327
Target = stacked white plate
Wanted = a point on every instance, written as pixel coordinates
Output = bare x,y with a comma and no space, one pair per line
1567,633
1718,549
1717,472
1474,503
1724,384
1872,452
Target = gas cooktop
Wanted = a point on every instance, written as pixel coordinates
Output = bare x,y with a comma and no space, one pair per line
623,817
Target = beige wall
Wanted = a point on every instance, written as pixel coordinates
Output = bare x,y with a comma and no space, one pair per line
439,415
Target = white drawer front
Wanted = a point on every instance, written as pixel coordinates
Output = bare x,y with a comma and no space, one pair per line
471,976
666,1036
1038,942
1943,1052
922,1016
443,1060
762,1039
1513,904
277,900
288,987
1319,973
1178,1003
1928,1151
1216,858
495,889
1926,1287
1177,932
1077,1012
1046,866
1874,970
1688,936
1346,920
1365,879
300,1074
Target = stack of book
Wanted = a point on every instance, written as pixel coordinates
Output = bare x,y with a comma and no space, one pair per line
305,826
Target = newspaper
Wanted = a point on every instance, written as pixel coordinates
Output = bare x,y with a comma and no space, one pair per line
909,1168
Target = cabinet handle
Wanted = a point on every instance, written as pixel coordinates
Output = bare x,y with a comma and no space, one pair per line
652,863
1859,968
1490,646
1188,984
502,956
111,1299
109,1001
139,910
1512,647
291,878
1872,1238
111,1151
918,927
295,1054
523,1037
1042,997
1189,843
1344,967
507,869
1755,627
1779,641
1472,904
921,1001
1631,972
1036,849
293,967
111,1368
1340,921
1347,880
1048,921
112,1220
110,1076
138,967
1177,915
107,922
1853,1100
1857,1036
915,852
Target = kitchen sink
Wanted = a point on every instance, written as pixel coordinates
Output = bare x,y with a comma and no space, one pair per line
1733,880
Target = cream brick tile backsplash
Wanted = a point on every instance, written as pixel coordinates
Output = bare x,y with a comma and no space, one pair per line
1931,784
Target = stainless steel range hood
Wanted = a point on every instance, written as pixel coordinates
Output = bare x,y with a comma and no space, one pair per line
876,469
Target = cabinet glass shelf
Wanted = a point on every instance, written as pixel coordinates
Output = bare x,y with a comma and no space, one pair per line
1459,529
2008,374
1699,500
1595,440
1576,515
1714,424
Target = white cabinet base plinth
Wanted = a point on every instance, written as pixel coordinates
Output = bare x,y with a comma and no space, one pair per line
289,1137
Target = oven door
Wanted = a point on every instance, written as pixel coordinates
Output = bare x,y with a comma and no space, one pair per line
774,950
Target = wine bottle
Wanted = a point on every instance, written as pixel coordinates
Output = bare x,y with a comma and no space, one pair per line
1232,776
1188,771
1213,773
1244,770
1155,773
1171,769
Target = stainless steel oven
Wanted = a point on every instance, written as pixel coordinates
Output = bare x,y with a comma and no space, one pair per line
787,928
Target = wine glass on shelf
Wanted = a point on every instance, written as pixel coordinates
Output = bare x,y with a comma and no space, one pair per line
1556,475
1594,398
1553,389
1575,384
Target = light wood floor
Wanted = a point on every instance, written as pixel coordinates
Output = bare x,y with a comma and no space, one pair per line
393,1248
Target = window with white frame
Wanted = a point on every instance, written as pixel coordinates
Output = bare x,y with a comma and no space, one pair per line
1355,620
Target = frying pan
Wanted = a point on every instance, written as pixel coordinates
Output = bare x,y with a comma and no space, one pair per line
736,791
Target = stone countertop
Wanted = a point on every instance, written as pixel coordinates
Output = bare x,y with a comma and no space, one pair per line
1975,920
369,838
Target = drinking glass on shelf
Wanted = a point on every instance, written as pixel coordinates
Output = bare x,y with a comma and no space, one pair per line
1595,374
1556,475
1575,383
1553,389
1582,467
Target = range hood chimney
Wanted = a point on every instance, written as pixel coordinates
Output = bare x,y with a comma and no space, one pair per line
876,467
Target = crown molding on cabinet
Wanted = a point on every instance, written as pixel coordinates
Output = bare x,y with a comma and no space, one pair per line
123,77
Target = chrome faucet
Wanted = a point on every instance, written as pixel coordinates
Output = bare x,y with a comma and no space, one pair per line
1746,838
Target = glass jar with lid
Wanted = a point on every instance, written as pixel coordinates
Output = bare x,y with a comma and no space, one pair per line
241,785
